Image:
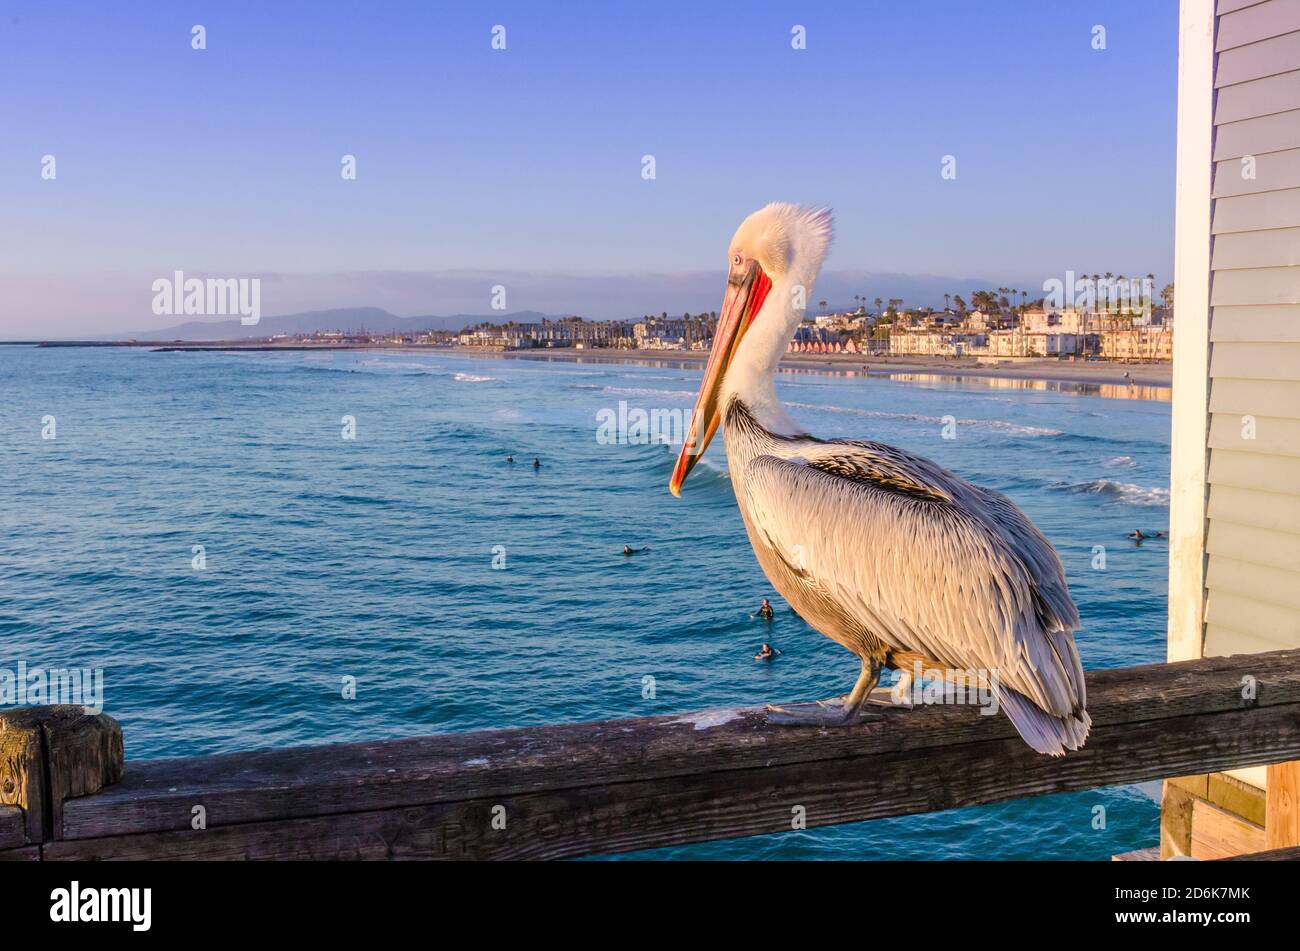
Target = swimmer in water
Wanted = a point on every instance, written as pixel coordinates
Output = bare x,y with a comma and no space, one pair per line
510,460
766,652
629,550
1136,535
537,464
765,612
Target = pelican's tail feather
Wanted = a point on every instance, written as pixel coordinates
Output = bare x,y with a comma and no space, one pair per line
1046,733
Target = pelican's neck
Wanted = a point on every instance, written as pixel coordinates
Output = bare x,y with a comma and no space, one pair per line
751,377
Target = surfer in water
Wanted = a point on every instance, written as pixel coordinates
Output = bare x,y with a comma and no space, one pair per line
537,464
1140,536
766,652
629,550
510,460
766,612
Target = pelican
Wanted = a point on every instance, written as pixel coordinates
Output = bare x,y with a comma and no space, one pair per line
897,559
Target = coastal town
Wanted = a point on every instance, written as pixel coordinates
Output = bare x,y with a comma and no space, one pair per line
989,326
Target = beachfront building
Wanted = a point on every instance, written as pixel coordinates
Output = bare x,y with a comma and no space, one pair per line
813,339
1138,344
1234,570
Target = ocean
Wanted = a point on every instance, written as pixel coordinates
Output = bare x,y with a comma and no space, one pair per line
201,528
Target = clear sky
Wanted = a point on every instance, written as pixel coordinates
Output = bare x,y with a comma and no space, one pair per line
523,166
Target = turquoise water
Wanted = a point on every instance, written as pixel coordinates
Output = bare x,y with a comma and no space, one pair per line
373,557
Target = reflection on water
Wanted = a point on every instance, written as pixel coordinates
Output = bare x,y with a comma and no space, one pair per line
1110,391
843,370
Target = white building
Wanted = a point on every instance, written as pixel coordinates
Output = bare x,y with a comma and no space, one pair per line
1234,572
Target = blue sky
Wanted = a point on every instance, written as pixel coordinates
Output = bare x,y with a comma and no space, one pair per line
523,166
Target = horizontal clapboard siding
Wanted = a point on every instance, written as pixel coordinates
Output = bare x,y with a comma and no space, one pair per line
1277,247
1272,133
1263,285
1221,641
1259,97
1270,585
1252,580
1270,435
1252,544
1273,397
1254,471
1277,322
1258,60
1255,361
1277,209
1269,172
1260,21
1278,511
1273,623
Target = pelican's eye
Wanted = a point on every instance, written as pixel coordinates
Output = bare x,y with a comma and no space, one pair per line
735,260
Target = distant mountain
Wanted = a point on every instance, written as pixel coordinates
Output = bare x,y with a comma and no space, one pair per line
374,319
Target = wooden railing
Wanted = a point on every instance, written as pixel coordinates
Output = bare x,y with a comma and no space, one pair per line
589,788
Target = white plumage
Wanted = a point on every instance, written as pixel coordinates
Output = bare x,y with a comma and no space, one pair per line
885,552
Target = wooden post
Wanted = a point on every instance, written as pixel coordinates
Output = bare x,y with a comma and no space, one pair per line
47,755
1282,806
1176,814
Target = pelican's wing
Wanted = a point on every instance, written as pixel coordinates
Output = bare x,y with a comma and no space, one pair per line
1032,547
928,563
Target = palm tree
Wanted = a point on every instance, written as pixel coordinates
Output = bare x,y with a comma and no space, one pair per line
959,303
877,303
947,301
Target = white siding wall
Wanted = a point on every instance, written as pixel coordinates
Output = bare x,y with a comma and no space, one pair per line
1252,568
1234,569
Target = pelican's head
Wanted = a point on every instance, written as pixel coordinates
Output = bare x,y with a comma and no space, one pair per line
772,262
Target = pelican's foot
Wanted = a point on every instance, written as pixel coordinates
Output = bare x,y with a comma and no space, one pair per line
891,697
831,712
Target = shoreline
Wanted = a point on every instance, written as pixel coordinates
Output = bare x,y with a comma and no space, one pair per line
1040,369
1145,381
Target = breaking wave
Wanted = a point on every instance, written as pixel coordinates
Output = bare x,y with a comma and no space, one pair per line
1000,425
642,391
1119,492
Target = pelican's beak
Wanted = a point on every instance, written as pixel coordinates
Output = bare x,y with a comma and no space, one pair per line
747,287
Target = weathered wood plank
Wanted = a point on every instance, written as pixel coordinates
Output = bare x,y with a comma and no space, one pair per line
1176,820
627,785
1271,855
1129,706
1282,806
48,754
22,771
13,827
1217,833
1151,854
27,853
1239,798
